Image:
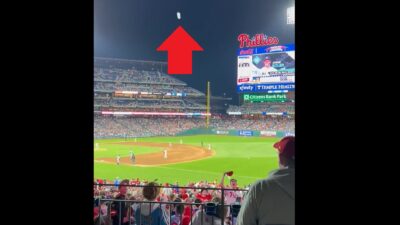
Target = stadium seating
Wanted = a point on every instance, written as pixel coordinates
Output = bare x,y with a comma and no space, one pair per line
106,126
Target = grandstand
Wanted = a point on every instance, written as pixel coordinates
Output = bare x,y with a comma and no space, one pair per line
142,89
132,85
259,108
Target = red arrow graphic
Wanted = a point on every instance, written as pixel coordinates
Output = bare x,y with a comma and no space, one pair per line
180,46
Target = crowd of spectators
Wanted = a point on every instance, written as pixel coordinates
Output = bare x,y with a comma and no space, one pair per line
147,103
152,88
257,108
142,191
115,79
108,126
134,76
142,127
276,123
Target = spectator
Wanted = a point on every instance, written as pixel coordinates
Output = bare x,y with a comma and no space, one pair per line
148,213
183,194
201,218
120,208
177,212
204,196
271,201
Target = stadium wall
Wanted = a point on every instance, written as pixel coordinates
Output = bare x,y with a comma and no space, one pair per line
214,131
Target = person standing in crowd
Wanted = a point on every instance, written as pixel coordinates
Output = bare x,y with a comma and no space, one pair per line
231,196
116,182
121,208
271,201
204,196
201,218
151,213
177,212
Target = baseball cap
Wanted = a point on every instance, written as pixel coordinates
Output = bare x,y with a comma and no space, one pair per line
285,147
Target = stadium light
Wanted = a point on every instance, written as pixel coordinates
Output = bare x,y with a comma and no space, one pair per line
290,15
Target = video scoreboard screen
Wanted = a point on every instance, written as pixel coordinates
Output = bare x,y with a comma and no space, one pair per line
269,69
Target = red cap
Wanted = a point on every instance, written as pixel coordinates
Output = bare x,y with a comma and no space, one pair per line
285,147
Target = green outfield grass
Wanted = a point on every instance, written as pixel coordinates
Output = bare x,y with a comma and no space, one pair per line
251,158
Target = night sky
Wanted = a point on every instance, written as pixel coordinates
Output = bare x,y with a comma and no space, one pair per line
133,29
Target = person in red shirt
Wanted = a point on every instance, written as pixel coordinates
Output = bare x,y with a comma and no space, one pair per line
190,210
183,194
204,196
186,220
132,182
100,182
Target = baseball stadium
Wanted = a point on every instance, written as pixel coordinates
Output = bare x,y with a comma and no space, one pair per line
172,144
140,109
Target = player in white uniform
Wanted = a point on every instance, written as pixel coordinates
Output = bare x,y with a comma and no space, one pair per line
165,154
118,159
97,145
209,146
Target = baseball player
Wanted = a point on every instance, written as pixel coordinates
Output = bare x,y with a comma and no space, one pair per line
209,146
181,141
165,154
97,145
118,159
132,157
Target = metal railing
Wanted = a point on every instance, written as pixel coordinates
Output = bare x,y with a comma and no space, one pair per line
210,209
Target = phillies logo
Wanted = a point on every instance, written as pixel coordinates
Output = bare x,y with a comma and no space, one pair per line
256,41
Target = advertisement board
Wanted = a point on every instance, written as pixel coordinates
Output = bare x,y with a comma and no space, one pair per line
245,133
263,68
264,97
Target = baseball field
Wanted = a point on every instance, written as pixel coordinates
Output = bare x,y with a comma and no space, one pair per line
251,158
